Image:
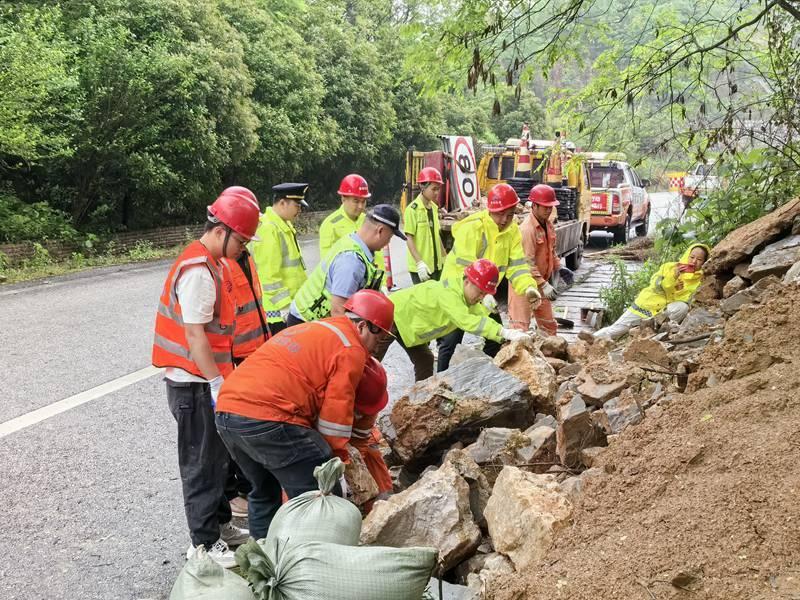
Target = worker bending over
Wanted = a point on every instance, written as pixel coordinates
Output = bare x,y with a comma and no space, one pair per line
434,309
670,290
194,340
421,226
349,266
539,245
277,256
492,234
289,407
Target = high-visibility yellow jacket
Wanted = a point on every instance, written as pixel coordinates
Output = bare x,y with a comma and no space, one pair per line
279,263
427,235
476,237
432,309
338,225
667,286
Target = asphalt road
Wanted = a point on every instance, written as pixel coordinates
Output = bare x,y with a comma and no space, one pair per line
92,498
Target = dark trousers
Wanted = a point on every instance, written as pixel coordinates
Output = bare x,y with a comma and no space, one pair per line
202,461
291,320
272,455
448,343
275,327
415,278
421,356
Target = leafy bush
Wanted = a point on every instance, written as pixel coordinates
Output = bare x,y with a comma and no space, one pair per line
35,222
143,250
624,287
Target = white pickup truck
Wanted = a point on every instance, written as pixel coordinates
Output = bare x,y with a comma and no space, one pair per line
699,182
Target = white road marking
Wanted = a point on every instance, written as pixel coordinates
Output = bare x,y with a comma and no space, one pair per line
56,408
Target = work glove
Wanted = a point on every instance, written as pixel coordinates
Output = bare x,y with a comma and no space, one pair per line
513,335
534,297
490,303
345,488
423,271
549,291
284,313
214,386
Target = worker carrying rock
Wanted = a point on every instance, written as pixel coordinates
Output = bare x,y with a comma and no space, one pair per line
539,244
194,339
491,234
434,309
277,256
667,296
349,266
425,252
289,407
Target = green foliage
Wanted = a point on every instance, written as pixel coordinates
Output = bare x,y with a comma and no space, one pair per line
41,258
38,221
143,250
625,285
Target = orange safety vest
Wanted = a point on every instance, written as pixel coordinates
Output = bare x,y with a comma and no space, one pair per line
170,348
250,331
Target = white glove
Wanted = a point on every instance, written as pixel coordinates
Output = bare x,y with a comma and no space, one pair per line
214,385
549,291
284,313
534,297
423,271
345,488
490,303
384,290
513,335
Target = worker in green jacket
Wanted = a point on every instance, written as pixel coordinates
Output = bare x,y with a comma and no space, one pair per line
421,225
430,310
279,262
492,234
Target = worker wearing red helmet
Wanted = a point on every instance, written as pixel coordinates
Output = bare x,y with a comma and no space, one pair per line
492,234
371,398
421,225
289,407
194,340
539,244
433,310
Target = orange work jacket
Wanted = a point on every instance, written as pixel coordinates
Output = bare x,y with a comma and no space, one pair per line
170,348
251,327
306,375
539,245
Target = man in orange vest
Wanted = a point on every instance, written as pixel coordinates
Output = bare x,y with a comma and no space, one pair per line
539,245
194,340
289,407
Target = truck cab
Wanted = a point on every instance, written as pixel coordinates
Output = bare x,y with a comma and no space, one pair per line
619,196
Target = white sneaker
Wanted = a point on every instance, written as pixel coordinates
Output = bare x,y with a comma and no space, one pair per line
219,553
232,535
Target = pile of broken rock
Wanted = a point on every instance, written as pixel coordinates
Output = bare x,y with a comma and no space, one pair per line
490,456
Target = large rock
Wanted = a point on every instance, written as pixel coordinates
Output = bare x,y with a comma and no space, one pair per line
775,259
529,365
501,446
751,295
616,416
793,274
648,352
435,512
737,284
361,483
524,513
455,406
575,432
479,487
554,346
597,393
744,242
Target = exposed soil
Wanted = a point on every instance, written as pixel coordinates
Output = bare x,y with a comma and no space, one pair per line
702,500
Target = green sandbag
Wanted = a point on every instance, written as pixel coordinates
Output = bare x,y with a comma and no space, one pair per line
203,579
282,570
318,516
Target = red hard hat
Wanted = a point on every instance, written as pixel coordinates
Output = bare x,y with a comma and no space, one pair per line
429,175
501,197
239,191
543,195
485,274
238,212
354,185
371,394
372,306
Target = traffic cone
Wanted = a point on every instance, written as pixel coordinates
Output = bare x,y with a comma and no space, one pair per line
387,261
523,160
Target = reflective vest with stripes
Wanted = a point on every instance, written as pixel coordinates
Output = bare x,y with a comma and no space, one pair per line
427,235
250,331
170,348
478,236
338,225
432,309
313,300
280,264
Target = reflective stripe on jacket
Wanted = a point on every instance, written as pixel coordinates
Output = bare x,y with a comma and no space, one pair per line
313,299
427,235
476,237
280,264
430,310
305,375
170,348
249,332
338,225
664,287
